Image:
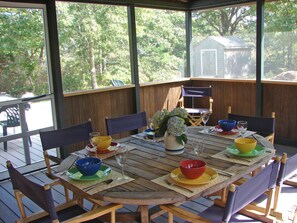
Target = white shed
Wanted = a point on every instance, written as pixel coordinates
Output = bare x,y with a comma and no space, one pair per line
221,56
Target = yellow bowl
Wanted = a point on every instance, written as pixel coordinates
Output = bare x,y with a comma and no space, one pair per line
102,142
245,145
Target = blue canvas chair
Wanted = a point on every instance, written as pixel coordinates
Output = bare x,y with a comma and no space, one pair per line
264,126
288,169
42,196
238,201
61,138
125,123
196,112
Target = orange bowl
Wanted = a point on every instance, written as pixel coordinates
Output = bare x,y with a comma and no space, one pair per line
192,169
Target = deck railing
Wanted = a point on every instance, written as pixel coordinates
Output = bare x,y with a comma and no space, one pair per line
240,94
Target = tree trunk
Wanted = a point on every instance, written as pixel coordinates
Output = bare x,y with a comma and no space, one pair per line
92,64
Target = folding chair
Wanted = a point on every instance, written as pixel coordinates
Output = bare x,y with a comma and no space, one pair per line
195,113
42,196
125,123
262,125
60,138
238,205
288,169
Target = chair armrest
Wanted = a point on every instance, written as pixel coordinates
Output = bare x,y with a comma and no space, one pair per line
55,159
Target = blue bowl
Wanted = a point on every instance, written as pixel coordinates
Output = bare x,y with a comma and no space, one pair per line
88,166
227,125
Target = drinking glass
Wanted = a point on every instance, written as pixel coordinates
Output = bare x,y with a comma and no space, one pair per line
198,147
242,127
205,117
94,138
121,154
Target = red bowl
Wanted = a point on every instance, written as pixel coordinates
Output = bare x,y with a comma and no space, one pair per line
192,169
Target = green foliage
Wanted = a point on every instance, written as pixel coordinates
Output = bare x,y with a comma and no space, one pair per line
161,44
182,139
22,53
174,123
94,42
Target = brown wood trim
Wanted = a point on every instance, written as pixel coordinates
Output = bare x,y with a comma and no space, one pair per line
279,82
103,89
223,80
164,82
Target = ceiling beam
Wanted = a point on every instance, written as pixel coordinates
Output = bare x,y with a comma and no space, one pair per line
180,5
207,4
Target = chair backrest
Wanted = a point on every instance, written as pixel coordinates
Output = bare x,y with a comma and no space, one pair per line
239,197
66,136
13,115
261,125
125,123
288,168
196,92
41,195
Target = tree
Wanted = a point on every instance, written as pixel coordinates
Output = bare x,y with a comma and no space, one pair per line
22,51
94,44
224,21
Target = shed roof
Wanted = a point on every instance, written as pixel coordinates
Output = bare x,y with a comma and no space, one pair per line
231,42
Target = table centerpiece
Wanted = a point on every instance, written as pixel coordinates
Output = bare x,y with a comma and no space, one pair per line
171,125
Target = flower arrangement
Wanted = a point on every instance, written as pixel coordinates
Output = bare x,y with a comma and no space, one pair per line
173,122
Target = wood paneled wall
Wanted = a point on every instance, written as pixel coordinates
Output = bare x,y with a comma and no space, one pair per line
241,95
118,102
97,106
281,98
157,97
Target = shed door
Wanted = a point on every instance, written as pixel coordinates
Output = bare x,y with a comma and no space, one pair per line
209,62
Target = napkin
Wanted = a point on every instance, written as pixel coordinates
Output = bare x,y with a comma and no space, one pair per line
67,163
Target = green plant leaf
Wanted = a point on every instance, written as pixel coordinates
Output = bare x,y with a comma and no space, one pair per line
182,139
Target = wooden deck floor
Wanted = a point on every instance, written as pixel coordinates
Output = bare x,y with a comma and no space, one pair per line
15,153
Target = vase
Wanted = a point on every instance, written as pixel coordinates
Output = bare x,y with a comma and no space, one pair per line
172,147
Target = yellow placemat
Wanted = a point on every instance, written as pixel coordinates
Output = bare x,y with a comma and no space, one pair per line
248,161
181,187
85,185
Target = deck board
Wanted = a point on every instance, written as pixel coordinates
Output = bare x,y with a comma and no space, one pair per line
15,153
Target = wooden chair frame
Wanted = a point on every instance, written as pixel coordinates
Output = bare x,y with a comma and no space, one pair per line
250,210
81,131
88,215
195,119
47,144
275,210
